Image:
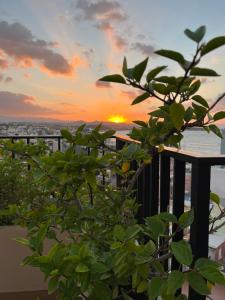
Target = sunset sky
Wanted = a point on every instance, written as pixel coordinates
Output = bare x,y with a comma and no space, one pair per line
52,53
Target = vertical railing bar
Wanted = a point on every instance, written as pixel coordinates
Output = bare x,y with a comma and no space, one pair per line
119,145
103,175
200,199
178,201
164,196
13,154
59,143
154,186
164,182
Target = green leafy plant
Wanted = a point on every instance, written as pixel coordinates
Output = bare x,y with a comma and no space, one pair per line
98,250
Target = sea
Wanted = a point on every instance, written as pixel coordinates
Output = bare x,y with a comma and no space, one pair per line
197,141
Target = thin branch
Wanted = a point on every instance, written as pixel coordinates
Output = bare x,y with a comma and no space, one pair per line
135,177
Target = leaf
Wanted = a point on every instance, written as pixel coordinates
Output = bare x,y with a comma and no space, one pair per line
186,219
202,262
182,297
66,135
52,285
200,100
199,111
188,114
113,78
124,69
215,198
177,114
198,283
153,73
212,274
139,70
166,79
167,217
132,231
102,291
156,287
216,130
196,35
194,87
156,226
213,44
82,268
203,72
140,123
174,282
219,115
140,98
160,88
119,232
178,57
182,252
142,286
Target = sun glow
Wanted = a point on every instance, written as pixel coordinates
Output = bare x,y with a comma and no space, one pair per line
117,119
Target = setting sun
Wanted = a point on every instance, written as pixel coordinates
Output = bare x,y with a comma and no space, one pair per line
117,119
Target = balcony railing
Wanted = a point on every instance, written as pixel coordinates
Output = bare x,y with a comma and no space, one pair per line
155,193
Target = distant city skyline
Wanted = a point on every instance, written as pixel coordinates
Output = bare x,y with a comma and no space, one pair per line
53,52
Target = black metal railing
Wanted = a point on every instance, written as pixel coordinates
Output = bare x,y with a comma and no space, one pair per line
155,193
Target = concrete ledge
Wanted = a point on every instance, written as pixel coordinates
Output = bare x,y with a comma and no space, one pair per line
34,295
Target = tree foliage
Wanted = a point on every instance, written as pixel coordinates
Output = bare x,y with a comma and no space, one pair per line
99,251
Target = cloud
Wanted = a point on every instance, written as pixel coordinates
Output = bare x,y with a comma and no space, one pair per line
20,105
18,42
145,49
102,84
100,10
3,64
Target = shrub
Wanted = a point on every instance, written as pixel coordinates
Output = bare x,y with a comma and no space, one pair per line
99,251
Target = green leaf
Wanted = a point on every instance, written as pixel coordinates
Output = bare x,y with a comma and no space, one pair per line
194,87
177,112
142,286
219,115
198,283
215,198
167,217
102,291
182,297
175,281
156,226
159,113
153,73
199,111
119,232
82,268
166,79
186,219
196,35
113,78
66,135
212,274
140,98
140,123
139,70
200,100
213,44
216,130
203,72
156,287
202,262
124,69
188,114
52,285
178,57
132,231
182,252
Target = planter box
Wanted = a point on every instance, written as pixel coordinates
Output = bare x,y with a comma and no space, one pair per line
16,281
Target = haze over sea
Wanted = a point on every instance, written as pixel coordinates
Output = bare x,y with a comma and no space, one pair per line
197,141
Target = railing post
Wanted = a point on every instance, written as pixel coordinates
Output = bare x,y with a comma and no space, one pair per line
119,145
153,186
59,143
164,182
200,198
178,201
